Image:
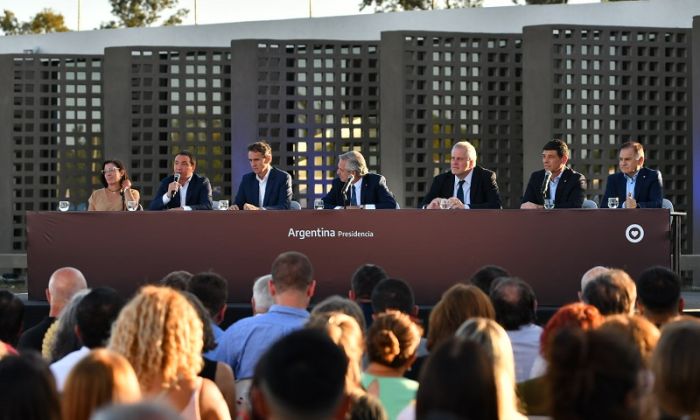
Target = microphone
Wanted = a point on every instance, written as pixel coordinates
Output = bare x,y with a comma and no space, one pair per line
177,179
545,183
347,185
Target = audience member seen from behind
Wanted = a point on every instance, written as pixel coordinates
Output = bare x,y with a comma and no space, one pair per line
291,287
637,330
659,295
11,317
60,339
594,375
457,383
613,292
345,332
567,188
301,376
101,378
178,280
160,333
533,393
392,342
589,275
261,301
63,284
343,305
212,291
94,316
117,191
217,372
485,276
516,307
362,284
458,304
676,367
27,389
494,340
634,186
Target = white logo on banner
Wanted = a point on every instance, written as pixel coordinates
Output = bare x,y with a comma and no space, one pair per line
634,233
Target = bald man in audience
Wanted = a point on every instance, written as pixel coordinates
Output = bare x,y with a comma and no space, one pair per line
63,284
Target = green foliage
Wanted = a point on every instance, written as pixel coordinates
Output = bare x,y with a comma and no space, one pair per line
140,13
43,22
398,5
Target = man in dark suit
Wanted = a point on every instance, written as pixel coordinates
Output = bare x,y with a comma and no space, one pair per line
634,186
566,186
266,188
368,190
190,192
466,186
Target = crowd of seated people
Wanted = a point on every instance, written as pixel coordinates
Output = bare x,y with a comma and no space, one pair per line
624,350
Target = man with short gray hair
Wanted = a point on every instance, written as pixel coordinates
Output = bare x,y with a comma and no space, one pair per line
466,185
363,188
261,300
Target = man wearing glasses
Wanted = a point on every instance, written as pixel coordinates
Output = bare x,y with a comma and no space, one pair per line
362,188
184,190
466,186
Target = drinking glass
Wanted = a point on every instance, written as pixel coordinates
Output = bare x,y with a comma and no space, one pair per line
444,203
132,205
613,202
548,203
63,205
223,204
318,204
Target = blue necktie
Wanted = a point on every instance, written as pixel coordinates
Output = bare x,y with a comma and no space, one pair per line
353,197
460,191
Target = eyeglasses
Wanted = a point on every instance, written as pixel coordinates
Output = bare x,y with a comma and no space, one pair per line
109,170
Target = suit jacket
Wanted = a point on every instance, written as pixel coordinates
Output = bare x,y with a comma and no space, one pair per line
278,192
648,189
483,192
198,194
571,190
374,191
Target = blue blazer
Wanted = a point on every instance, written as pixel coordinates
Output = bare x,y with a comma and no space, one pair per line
648,189
571,190
278,192
374,191
198,194
483,192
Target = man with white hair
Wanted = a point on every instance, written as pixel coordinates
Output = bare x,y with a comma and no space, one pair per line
364,189
590,275
261,300
466,186
63,284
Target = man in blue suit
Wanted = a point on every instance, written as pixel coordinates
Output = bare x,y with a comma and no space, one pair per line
189,192
634,186
266,188
368,190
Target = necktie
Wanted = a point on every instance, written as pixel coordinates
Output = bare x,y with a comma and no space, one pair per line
353,197
460,191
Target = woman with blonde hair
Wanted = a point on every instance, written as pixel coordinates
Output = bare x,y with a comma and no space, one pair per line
160,333
392,342
458,304
494,340
101,378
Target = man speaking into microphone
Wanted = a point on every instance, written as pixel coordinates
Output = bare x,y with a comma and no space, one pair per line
566,187
355,186
184,190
